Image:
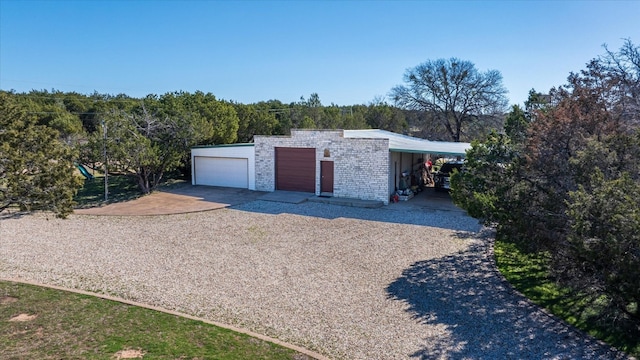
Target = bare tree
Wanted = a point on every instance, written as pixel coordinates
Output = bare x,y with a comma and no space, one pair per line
459,96
622,76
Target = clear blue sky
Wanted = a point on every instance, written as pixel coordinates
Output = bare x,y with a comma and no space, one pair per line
349,52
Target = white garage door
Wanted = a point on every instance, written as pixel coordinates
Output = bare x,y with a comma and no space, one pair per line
221,171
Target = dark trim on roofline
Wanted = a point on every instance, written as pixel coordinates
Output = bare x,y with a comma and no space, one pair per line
222,145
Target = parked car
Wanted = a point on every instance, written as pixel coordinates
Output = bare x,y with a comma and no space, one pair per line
441,177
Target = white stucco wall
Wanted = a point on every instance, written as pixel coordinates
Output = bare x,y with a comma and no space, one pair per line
238,151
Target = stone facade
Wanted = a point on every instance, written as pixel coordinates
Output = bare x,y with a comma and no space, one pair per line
361,166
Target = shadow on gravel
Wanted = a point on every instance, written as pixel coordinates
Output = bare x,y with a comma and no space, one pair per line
484,317
13,214
456,221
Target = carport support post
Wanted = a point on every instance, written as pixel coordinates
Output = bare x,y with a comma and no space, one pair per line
104,153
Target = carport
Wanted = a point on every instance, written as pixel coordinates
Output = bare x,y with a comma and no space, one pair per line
407,153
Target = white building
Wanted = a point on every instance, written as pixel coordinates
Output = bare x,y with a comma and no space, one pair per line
362,164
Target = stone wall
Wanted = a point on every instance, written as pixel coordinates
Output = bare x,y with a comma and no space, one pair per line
361,166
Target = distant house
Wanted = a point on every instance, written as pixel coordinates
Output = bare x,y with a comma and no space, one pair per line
362,164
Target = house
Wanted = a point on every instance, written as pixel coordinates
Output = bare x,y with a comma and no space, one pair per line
362,164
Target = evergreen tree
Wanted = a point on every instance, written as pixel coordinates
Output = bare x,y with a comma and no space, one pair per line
36,168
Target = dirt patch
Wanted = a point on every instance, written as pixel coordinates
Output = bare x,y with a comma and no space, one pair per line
23,317
129,354
7,300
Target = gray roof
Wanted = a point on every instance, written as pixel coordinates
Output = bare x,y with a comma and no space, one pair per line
404,143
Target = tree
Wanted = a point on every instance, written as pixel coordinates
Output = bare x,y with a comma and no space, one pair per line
151,140
486,186
307,123
254,120
572,187
381,115
332,118
456,93
99,104
424,125
602,250
620,74
593,106
36,168
49,109
308,114
354,117
516,124
313,101
586,109
535,104
282,113
217,118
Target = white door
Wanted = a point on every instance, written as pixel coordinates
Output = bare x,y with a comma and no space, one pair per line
221,171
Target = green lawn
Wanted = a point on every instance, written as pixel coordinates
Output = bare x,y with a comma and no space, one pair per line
528,274
64,325
121,188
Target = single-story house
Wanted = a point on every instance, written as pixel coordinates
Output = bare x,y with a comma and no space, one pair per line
362,164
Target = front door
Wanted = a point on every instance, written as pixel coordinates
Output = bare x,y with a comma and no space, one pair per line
326,177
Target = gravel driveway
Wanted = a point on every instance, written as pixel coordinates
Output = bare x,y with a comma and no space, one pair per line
349,283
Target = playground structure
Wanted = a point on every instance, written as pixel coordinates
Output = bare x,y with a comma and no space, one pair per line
84,172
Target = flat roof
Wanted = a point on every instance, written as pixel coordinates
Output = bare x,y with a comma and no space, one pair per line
221,145
410,144
397,143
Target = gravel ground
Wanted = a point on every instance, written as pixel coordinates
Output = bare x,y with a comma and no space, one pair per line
348,283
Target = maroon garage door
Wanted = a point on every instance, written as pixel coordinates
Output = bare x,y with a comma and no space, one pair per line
296,169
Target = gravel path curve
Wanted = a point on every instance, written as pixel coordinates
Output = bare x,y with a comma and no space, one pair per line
348,283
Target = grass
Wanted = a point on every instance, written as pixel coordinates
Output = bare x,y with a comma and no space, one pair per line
121,188
74,326
528,273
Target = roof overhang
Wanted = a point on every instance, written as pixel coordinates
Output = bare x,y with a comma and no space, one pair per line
410,144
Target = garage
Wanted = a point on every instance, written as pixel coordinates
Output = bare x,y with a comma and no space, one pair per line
218,171
223,165
295,169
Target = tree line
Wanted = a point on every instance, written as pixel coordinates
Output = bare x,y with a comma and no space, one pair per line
75,115
563,179
151,136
